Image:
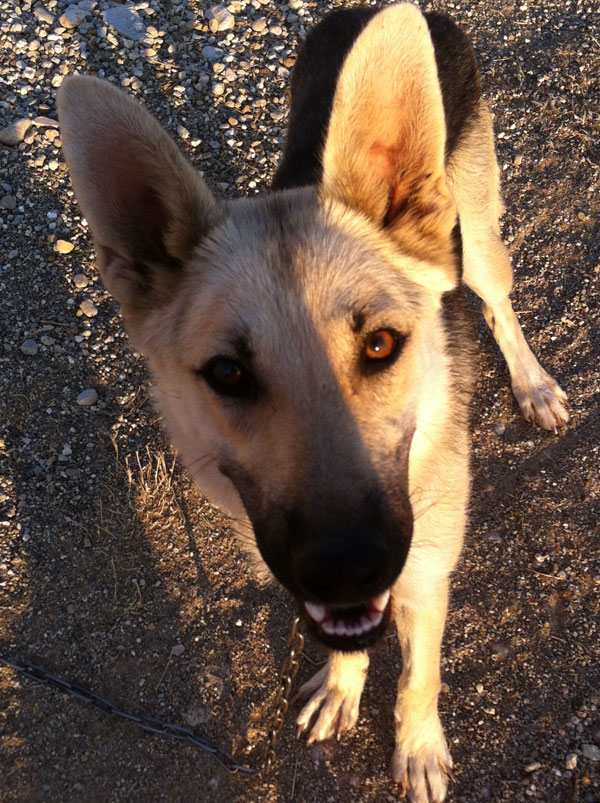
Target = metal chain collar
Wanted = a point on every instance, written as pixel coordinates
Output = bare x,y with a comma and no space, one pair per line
288,672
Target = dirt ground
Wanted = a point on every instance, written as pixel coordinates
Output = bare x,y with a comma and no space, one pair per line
116,575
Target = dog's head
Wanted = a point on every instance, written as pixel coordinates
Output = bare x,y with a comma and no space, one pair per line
296,339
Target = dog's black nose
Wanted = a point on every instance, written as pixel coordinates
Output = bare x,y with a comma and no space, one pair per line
343,569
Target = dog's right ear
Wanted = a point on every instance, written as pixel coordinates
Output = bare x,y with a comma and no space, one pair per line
146,206
385,146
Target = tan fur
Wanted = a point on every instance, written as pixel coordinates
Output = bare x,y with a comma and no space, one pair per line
284,275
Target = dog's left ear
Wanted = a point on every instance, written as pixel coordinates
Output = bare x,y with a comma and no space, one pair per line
146,206
385,148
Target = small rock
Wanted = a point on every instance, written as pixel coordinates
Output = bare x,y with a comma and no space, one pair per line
73,16
63,247
535,765
45,122
29,347
571,761
218,89
87,397
197,715
591,752
126,21
220,19
88,308
15,132
177,650
500,428
501,650
259,24
517,160
212,53
43,15
81,281
8,202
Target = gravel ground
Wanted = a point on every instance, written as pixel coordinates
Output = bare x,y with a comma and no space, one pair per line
115,574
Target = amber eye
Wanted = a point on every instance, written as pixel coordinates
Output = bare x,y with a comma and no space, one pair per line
381,345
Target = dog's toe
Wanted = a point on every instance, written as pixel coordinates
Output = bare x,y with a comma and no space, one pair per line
424,770
336,690
543,403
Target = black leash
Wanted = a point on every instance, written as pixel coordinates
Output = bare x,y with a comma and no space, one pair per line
149,724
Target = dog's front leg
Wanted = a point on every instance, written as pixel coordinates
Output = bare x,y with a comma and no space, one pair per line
336,690
421,761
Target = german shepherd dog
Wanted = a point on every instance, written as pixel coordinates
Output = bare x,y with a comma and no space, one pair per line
310,350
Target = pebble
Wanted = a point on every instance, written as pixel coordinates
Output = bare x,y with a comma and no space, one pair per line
571,761
591,752
212,53
81,280
15,132
197,715
45,122
500,427
29,347
259,24
220,19
501,650
177,650
63,247
126,21
87,397
8,202
535,765
43,15
88,308
73,16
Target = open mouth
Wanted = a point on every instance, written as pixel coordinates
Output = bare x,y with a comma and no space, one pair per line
350,627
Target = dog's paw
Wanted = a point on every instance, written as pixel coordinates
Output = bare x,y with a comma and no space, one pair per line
541,399
422,763
336,690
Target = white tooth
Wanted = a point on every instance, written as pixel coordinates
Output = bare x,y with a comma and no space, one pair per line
316,612
340,628
365,624
375,618
329,627
381,601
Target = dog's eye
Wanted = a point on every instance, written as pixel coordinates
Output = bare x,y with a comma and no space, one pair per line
228,378
381,345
